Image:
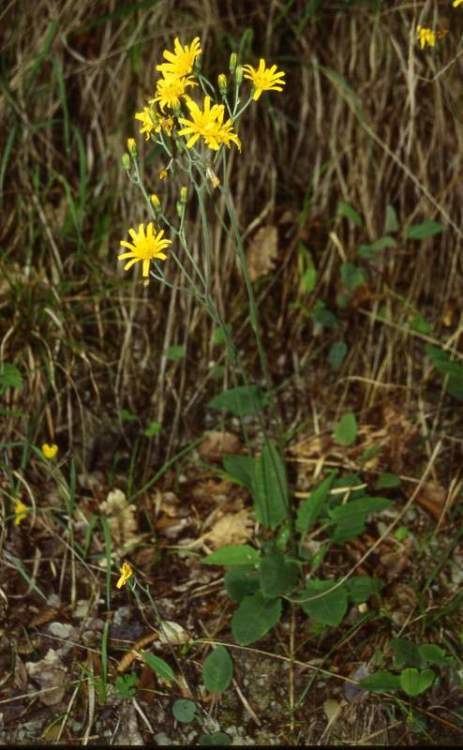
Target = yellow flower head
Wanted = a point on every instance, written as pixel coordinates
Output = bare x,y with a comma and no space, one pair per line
181,61
170,89
126,572
20,512
208,124
456,3
426,36
264,79
149,122
49,451
146,246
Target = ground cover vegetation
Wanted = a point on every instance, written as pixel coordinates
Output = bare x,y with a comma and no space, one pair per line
230,373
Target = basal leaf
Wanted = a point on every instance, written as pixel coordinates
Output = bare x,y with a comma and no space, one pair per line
254,617
278,575
270,487
324,603
233,554
310,509
345,431
242,401
217,670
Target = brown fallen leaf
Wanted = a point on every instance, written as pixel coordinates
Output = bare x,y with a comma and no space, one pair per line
215,444
262,251
45,615
432,497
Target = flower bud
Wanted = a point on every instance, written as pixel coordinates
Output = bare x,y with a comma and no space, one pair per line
233,62
155,202
131,146
163,174
223,83
126,161
239,75
183,194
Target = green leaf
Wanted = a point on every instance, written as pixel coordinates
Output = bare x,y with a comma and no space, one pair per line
370,251
154,428
233,554
322,316
387,481
270,487
127,416
309,510
184,710
360,588
218,670
391,223
336,354
414,682
175,352
10,377
254,618
345,209
352,276
432,654
277,575
240,468
381,682
242,401
214,740
219,335
240,582
309,280
350,518
420,324
159,666
126,685
442,362
345,431
328,609
428,228
406,653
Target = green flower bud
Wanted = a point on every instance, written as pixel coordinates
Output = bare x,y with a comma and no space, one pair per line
233,62
239,75
126,161
183,195
223,83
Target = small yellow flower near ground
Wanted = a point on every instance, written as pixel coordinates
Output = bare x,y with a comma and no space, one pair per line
208,124
456,3
169,91
264,79
20,512
426,36
126,572
149,122
49,451
146,246
180,62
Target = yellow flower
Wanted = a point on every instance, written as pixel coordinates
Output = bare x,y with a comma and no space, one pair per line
126,572
456,3
49,451
180,63
170,89
145,247
426,36
208,124
20,512
167,124
149,122
264,79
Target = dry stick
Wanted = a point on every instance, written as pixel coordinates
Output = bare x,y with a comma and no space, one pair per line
383,536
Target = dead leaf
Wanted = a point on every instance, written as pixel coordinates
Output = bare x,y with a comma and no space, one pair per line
216,444
128,658
51,674
43,616
432,497
232,528
262,251
172,632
